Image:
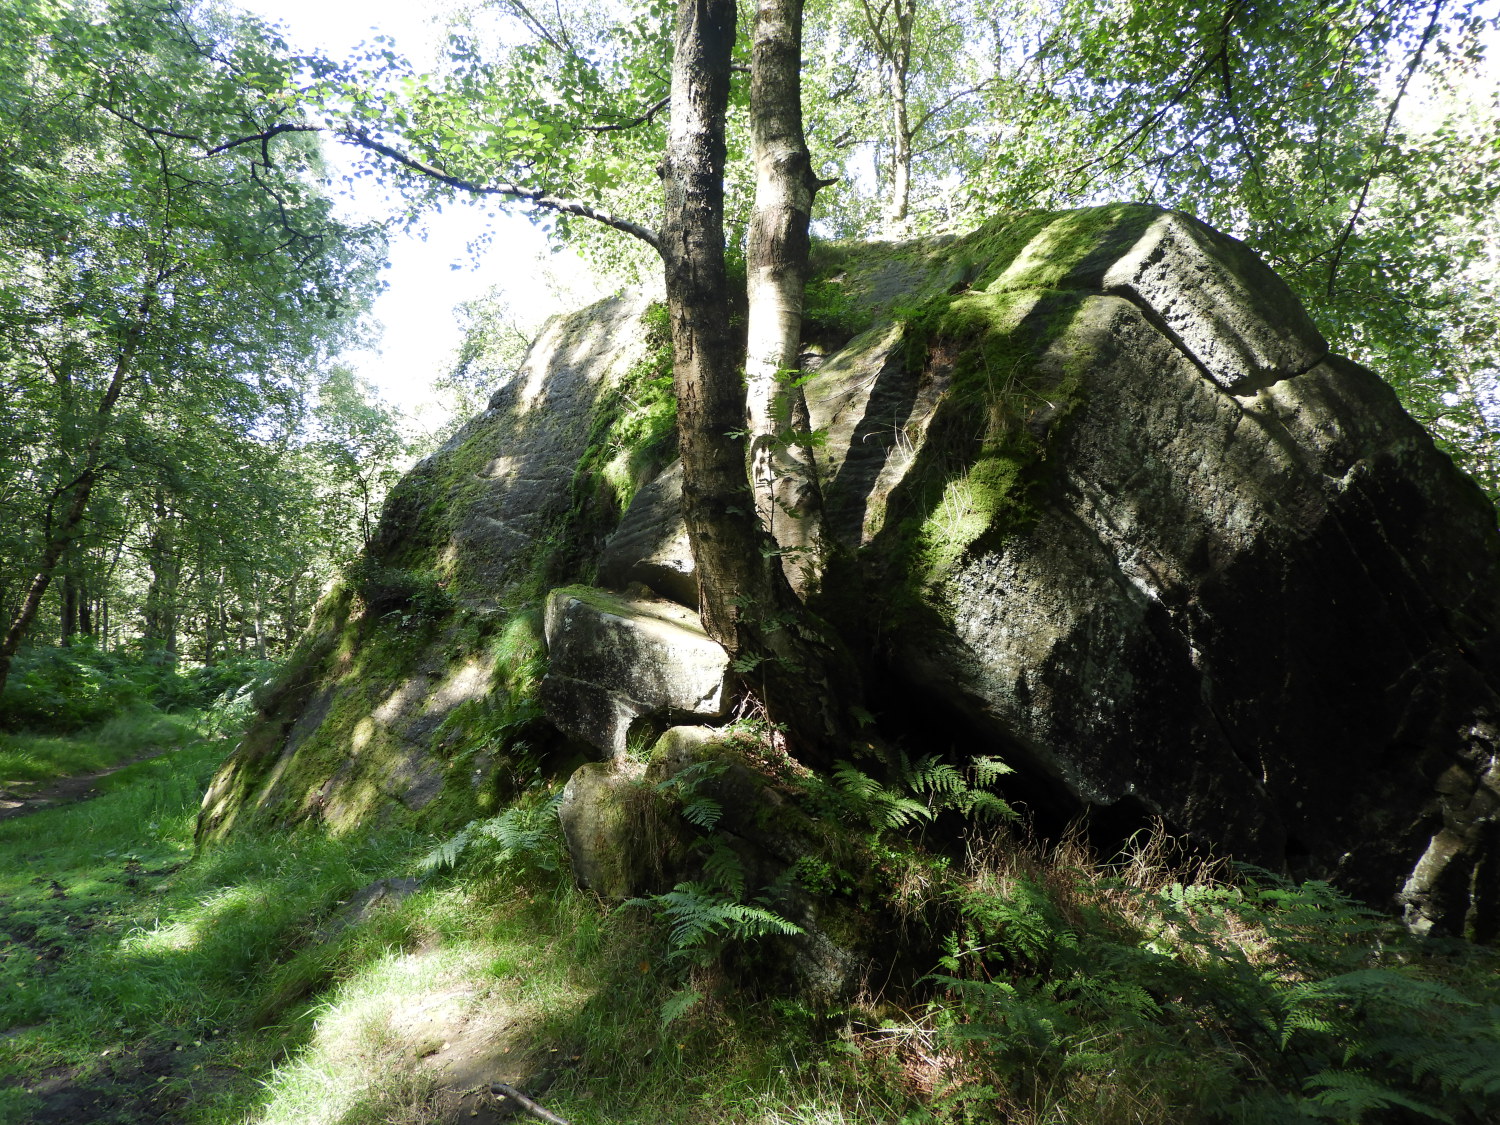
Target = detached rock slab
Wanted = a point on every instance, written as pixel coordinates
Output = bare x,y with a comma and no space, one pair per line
617,660
651,544
1223,307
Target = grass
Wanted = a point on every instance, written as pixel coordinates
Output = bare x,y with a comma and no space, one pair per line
29,760
281,978
141,980
119,949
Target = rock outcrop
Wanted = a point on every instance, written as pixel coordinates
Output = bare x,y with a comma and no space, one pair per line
615,660
442,617
1098,499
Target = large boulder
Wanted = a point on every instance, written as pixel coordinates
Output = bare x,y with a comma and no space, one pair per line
1097,499
1104,503
1191,566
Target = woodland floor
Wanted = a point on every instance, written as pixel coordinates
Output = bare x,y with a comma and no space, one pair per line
445,1040
16,801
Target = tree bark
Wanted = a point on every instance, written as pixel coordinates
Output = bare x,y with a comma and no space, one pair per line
898,207
69,608
160,613
802,675
890,24
782,468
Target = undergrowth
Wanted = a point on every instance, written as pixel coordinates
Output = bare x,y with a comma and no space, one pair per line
297,978
60,688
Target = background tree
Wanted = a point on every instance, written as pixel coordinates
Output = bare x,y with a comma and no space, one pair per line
1354,145
159,310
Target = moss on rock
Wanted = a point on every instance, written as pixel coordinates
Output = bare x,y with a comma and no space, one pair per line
411,699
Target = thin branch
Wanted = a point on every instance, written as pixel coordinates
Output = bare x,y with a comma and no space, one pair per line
1341,243
262,137
149,130
501,1090
1131,140
537,197
538,28
949,102
642,118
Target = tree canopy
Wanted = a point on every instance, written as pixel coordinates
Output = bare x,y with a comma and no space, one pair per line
163,314
1356,146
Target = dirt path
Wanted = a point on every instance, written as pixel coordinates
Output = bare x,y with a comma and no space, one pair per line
67,790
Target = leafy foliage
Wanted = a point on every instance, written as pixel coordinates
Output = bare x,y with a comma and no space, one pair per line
1257,1002
66,687
702,918
922,789
525,838
163,313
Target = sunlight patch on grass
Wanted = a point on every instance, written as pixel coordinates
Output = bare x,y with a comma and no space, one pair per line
29,761
173,937
374,1036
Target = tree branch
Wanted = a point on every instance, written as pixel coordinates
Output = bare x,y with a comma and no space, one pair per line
523,13
149,130
501,1090
262,137
537,197
948,103
1131,140
1342,242
640,119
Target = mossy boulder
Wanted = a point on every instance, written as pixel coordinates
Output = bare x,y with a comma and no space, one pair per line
617,662
420,669
700,806
1097,499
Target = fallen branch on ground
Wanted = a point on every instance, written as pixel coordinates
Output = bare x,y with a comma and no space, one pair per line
501,1090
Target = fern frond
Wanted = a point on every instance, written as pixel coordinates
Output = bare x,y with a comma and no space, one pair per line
679,1004
1353,1093
987,806
855,782
929,774
698,917
445,855
704,812
724,870
989,769
752,921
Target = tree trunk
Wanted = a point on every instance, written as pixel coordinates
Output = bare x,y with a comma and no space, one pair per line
802,677
290,626
782,467
898,207
890,26
56,546
61,535
162,608
69,608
